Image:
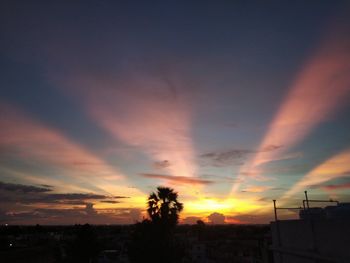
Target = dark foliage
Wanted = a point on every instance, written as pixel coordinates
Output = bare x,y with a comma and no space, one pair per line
153,240
163,207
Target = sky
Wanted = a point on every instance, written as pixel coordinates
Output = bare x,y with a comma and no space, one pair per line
231,103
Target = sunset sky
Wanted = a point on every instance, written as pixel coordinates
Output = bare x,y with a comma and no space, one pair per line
231,103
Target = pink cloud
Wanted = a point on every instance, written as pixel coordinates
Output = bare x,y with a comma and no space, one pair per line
33,140
142,111
179,179
337,186
256,189
321,87
336,167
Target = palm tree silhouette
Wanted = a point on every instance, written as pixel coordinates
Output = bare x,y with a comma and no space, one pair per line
163,206
157,232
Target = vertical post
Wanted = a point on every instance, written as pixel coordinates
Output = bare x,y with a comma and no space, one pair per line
275,209
279,245
307,200
311,222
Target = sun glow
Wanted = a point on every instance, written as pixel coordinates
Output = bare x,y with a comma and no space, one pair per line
226,206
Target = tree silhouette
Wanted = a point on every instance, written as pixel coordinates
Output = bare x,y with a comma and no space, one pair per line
163,207
157,233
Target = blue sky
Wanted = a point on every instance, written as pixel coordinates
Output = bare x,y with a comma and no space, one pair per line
231,104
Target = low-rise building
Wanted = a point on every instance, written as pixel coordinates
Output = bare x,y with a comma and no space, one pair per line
320,235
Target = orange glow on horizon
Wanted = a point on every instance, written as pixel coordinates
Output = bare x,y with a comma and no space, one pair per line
225,206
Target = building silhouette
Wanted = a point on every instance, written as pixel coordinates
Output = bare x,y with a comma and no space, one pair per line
320,235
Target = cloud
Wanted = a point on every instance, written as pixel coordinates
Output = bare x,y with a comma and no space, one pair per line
264,199
339,183
75,196
65,202
282,157
89,209
346,173
28,194
25,138
110,201
321,87
256,189
88,214
46,186
145,110
252,173
24,188
20,204
66,198
190,220
335,167
336,186
278,189
250,218
230,157
179,179
270,148
161,164
324,83
219,178
216,218
225,158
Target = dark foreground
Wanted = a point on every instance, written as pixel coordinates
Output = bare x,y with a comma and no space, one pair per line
85,243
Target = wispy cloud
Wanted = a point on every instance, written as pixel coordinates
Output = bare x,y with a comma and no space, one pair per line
24,188
320,88
179,179
144,111
226,157
110,201
30,194
256,189
234,156
283,157
30,138
337,186
27,138
30,204
336,167
161,164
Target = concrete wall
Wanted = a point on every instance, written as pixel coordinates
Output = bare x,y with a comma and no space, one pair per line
311,240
